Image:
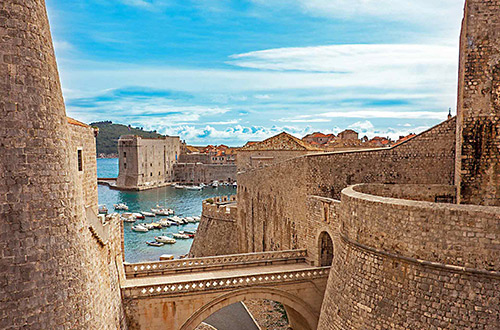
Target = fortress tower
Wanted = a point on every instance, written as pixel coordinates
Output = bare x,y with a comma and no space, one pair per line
50,264
478,125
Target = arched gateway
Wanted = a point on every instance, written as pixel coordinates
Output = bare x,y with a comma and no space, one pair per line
325,249
180,294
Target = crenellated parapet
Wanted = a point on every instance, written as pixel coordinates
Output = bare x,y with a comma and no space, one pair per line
221,208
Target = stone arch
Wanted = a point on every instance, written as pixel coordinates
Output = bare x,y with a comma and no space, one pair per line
291,302
325,249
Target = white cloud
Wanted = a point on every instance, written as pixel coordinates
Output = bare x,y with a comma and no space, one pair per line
377,113
349,58
362,125
314,120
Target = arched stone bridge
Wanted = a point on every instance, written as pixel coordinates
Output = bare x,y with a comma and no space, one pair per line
180,294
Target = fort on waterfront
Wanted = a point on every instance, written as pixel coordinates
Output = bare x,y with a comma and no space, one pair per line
406,237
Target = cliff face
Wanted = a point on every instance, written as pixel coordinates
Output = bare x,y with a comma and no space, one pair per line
50,265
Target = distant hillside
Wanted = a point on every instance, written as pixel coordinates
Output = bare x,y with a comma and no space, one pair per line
109,133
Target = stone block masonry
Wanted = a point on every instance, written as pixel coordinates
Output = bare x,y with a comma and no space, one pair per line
217,232
478,138
272,200
53,272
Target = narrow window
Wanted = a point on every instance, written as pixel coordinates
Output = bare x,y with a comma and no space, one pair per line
124,154
80,161
124,165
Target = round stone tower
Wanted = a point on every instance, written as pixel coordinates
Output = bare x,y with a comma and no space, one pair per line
44,273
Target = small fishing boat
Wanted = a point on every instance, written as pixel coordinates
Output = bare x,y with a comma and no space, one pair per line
147,214
194,188
140,228
165,223
190,220
164,257
165,239
235,185
215,184
162,211
156,225
138,215
196,218
193,232
154,243
187,234
121,206
130,219
180,236
178,186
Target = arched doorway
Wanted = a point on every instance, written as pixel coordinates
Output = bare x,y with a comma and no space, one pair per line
303,315
325,249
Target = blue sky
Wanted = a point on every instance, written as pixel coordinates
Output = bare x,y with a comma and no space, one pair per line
227,71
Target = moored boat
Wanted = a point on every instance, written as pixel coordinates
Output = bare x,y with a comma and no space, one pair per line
147,214
138,215
165,239
180,236
140,228
187,234
164,257
154,243
121,206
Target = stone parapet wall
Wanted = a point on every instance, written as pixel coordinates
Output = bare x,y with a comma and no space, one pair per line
197,173
416,192
466,236
373,290
272,200
217,231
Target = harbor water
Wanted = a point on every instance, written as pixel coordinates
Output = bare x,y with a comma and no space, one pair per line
183,202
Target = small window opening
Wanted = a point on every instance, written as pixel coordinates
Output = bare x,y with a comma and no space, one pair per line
80,161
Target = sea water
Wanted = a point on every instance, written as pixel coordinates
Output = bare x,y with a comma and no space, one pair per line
183,202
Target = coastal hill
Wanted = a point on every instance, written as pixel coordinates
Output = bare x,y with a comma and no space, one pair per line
109,133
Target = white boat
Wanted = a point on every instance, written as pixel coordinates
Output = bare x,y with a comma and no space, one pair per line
196,218
180,236
235,185
177,186
165,239
162,211
138,215
147,214
140,228
190,220
175,220
128,217
193,232
215,184
154,243
121,206
165,223
164,257
194,188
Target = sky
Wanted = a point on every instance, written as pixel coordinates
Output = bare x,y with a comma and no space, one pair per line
228,71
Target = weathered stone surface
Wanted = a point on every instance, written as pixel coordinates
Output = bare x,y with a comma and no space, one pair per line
53,272
478,130
217,231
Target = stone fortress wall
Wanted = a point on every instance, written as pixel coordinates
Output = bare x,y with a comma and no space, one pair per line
272,200
196,173
146,163
217,230
54,273
409,264
478,130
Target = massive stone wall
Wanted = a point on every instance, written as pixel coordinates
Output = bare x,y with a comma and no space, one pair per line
216,234
271,201
196,173
146,163
251,159
82,138
478,139
413,265
48,273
